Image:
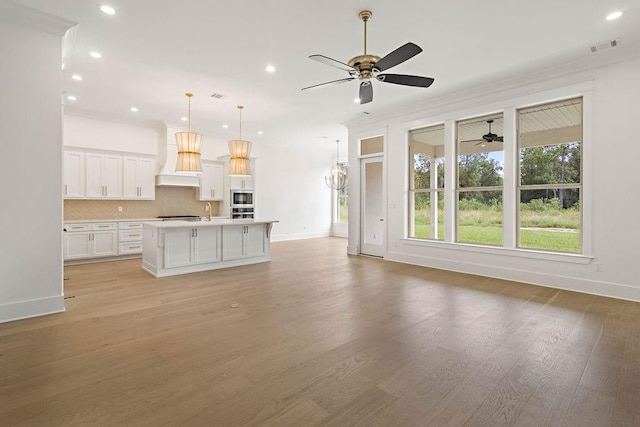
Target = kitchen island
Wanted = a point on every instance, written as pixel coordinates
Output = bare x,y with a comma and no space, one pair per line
170,248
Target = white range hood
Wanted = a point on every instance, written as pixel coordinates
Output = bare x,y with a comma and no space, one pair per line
167,160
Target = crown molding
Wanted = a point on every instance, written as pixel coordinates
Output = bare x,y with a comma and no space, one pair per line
33,18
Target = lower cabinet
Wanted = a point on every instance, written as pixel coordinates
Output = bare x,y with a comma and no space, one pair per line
243,241
90,240
191,246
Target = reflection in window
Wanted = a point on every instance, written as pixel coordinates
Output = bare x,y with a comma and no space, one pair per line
342,214
426,183
479,184
549,143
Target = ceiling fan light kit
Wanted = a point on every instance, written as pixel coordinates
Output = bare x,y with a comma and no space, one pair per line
366,67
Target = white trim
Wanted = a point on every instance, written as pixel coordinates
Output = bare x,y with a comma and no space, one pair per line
539,278
298,236
31,308
497,250
33,18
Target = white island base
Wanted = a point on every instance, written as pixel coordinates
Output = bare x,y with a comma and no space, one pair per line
170,248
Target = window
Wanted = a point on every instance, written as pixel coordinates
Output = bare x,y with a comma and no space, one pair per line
479,183
426,183
342,213
550,185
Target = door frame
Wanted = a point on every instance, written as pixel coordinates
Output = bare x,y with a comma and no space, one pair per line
355,219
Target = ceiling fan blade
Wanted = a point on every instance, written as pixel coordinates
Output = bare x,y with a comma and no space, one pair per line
366,92
499,139
403,79
348,79
479,141
398,56
332,62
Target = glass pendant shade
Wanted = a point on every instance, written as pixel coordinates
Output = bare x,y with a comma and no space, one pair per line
188,152
188,148
239,150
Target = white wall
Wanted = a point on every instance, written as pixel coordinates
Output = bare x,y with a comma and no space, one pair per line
611,155
94,132
289,181
31,174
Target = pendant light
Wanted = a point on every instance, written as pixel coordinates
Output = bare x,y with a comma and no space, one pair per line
337,180
188,147
239,150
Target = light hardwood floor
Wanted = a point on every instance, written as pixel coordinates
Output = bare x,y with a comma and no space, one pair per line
320,338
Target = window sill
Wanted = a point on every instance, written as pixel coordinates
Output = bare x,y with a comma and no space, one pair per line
493,250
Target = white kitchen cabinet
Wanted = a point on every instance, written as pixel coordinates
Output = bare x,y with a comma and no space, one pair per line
211,181
243,241
241,182
73,173
129,238
191,246
90,240
138,178
103,176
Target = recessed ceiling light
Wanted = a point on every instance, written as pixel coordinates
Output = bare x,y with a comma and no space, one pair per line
270,69
107,9
76,77
95,54
134,109
225,126
184,119
259,132
71,98
614,15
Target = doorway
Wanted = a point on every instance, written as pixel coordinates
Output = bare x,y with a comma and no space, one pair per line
372,236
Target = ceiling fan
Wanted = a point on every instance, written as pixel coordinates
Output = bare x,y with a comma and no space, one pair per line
366,67
487,137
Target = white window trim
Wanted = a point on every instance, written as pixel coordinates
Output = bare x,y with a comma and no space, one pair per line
509,109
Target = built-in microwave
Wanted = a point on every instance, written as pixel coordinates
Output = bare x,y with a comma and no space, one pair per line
241,198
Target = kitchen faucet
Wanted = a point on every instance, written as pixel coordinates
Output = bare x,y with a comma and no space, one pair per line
207,209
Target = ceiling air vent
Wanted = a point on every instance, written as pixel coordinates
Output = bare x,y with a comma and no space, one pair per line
218,96
605,45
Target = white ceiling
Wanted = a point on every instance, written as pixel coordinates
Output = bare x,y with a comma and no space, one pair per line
153,51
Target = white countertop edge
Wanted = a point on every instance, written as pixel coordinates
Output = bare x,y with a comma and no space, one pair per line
205,223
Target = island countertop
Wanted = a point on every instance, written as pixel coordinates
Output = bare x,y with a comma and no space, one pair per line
205,223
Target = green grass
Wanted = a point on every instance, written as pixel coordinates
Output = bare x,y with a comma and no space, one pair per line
484,226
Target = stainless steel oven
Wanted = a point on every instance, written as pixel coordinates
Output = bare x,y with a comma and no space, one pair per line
241,199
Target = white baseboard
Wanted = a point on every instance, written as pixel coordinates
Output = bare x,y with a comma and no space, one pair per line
31,308
587,286
298,236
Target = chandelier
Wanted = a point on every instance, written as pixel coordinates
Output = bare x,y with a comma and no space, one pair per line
337,180
188,147
239,150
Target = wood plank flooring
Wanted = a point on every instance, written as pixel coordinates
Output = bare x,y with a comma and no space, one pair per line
320,338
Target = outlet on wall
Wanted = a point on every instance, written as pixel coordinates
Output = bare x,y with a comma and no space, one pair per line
598,266
119,208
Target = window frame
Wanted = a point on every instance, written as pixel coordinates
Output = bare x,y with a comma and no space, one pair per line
518,173
513,99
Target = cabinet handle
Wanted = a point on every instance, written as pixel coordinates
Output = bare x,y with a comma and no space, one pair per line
135,247
212,193
135,235
65,189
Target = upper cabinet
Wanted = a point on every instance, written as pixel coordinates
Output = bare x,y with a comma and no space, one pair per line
73,181
211,181
138,178
241,182
93,174
104,176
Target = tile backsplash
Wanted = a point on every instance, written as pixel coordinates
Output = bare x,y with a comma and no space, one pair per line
169,201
